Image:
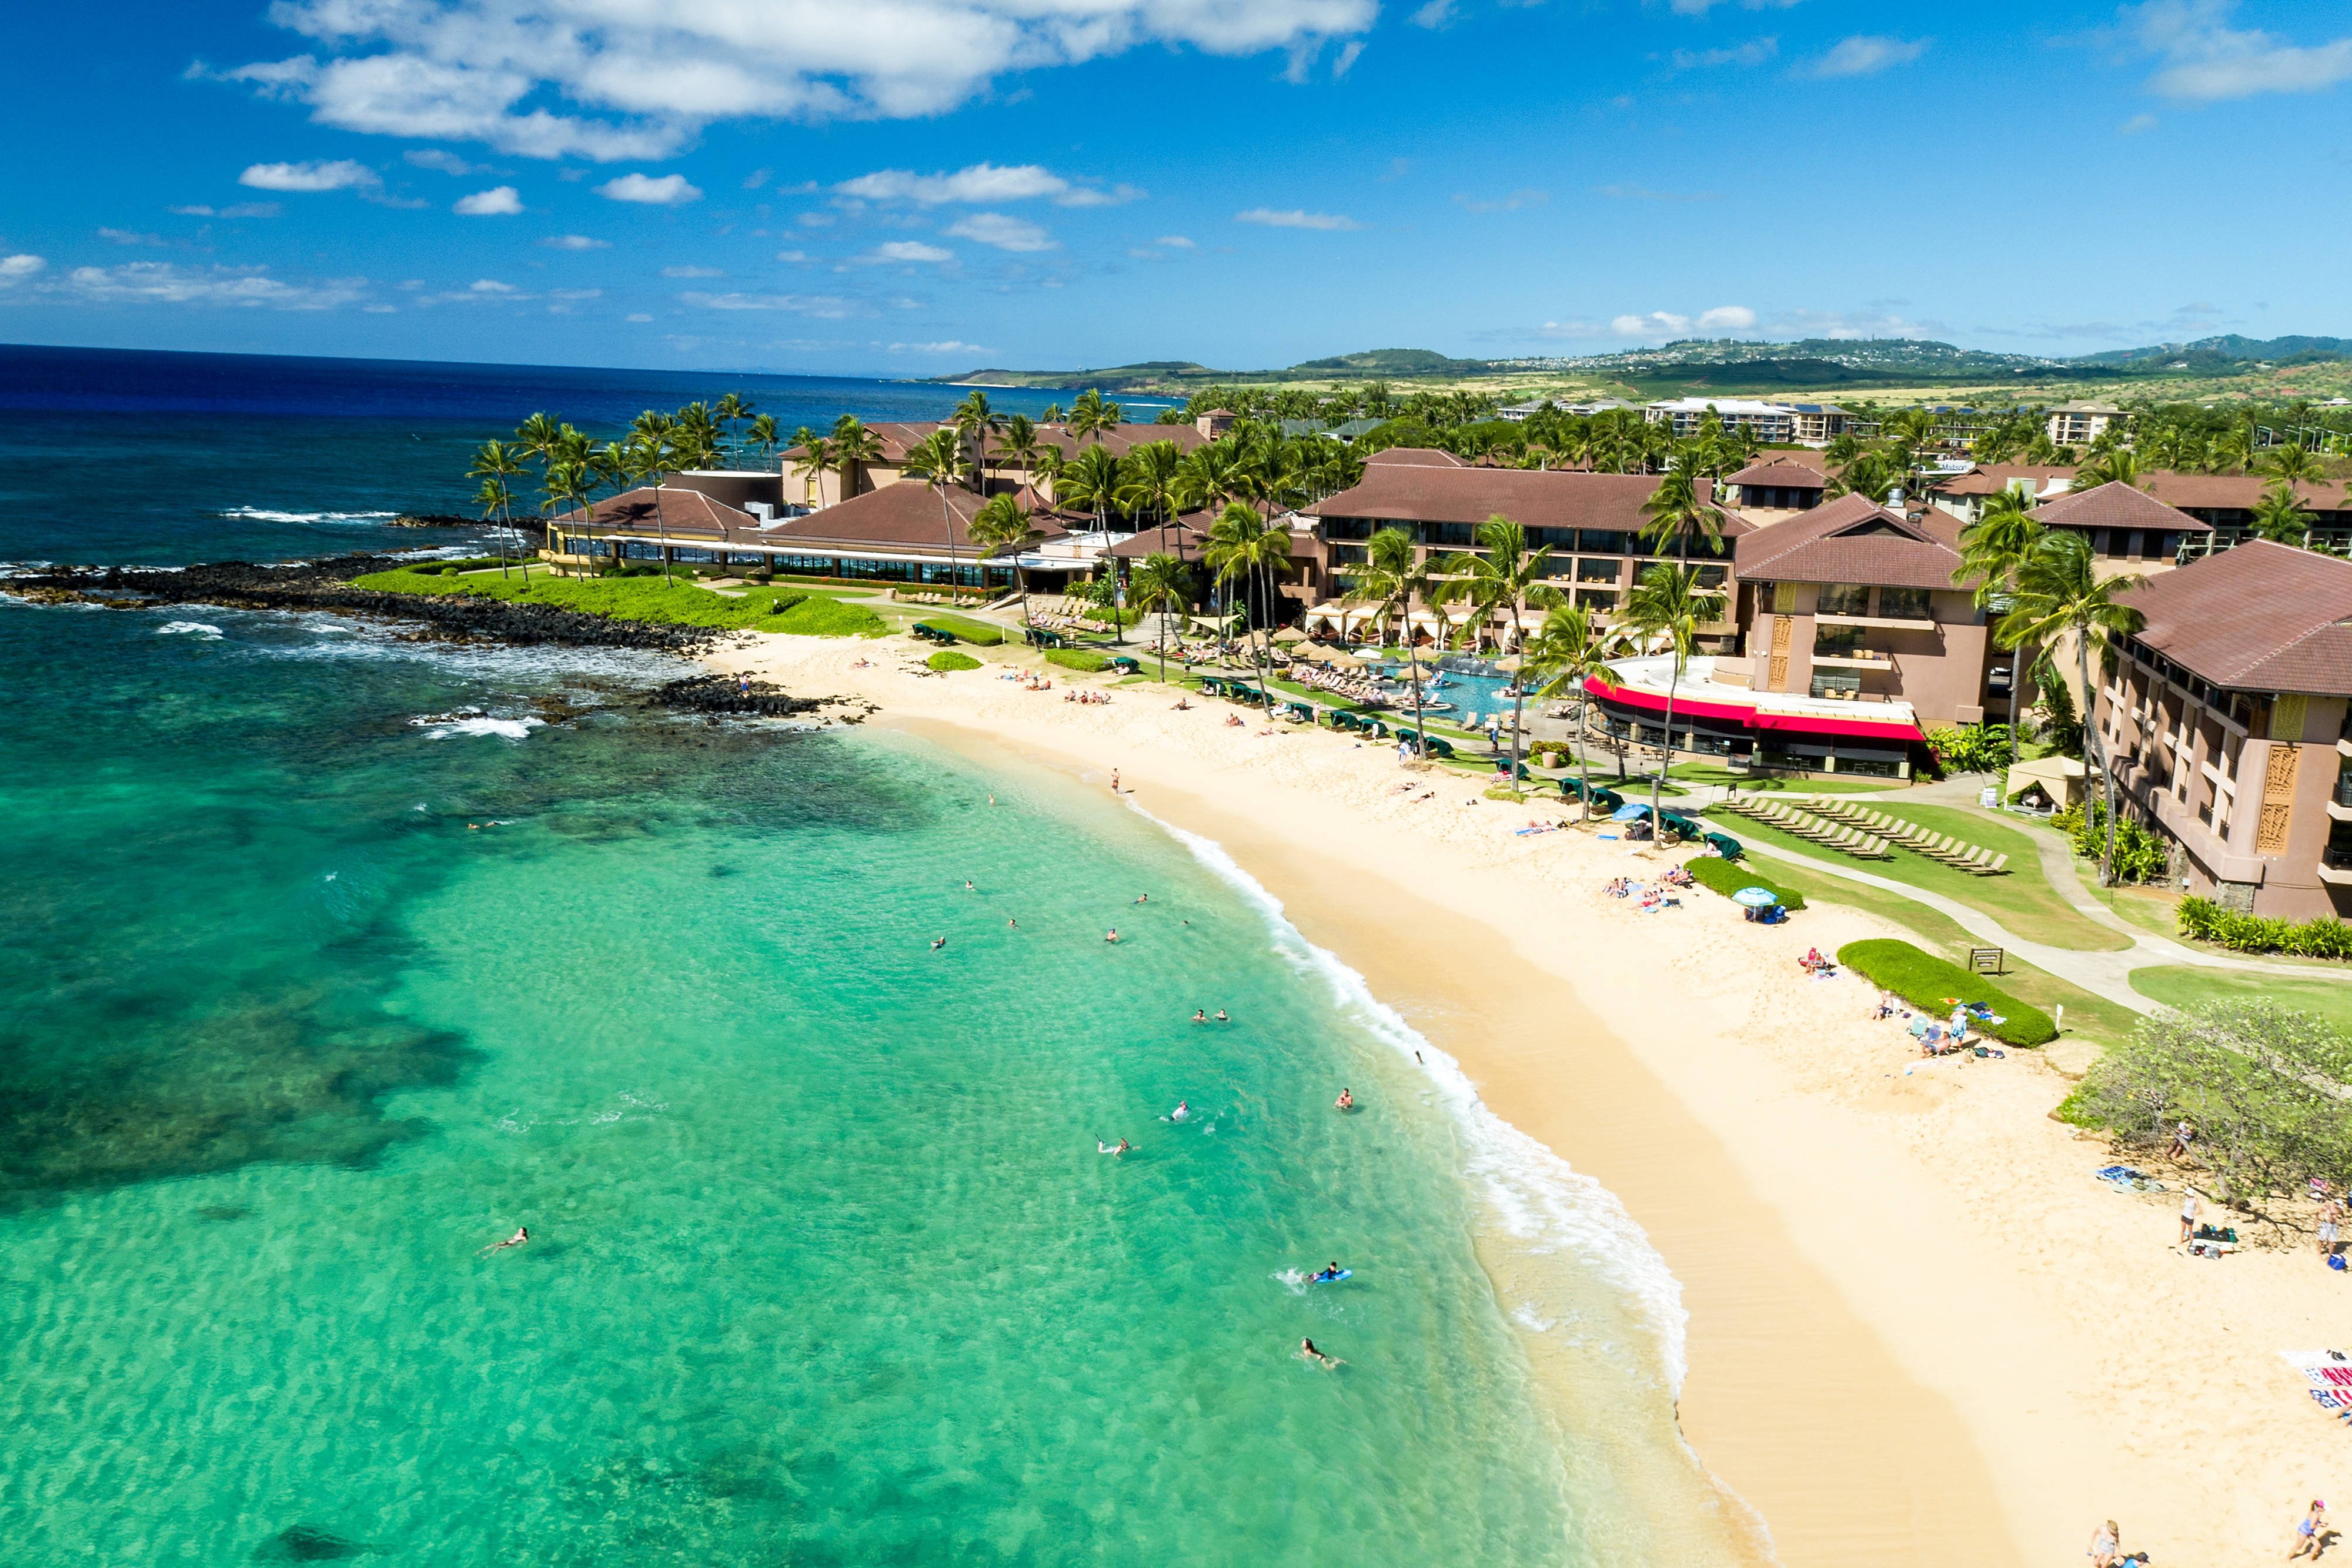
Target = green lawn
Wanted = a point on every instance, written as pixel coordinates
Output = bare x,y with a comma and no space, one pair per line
1714,773
2023,900
2180,985
979,633
676,603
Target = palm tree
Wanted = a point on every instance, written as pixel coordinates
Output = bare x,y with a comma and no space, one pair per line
732,408
1992,548
1242,548
567,490
1565,651
1089,482
937,460
1668,602
763,432
647,456
2116,465
854,446
1504,575
1394,574
977,423
1159,581
496,463
1090,415
2059,591
817,460
2293,464
1020,444
2280,514
1001,524
536,437
1151,482
1052,415
1212,474
1678,516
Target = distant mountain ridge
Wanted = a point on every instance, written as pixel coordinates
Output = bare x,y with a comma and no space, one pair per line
1725,365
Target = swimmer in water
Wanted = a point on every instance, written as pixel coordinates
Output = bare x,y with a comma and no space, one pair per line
1222,1018
1199,1016
522,1235
1111,934
1013,924
938,943
1183,1112
1142,898
1307,1352
968,887
1103,1148
1326,1275
1346,1102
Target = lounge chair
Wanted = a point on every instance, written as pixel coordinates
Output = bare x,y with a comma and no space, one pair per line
1997,866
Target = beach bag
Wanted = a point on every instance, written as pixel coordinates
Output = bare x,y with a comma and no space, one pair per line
2335,1262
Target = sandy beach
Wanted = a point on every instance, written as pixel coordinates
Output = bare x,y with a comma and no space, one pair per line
1919,1331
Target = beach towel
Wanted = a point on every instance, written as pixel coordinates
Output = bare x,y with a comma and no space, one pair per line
2330,1375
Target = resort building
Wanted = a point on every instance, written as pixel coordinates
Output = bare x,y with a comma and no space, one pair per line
1964,494
2079,423
2226,717
1776,488
2128,529
1717,712
1852,603
1590,523
1819,423
805,486
1772,422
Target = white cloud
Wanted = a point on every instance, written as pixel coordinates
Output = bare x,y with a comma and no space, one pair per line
1176,242
129,236
667,190
692,272
447,162
950,346
574,293
1644,194
982,183
1701,7
1003,232
830,307
1754,52
1867,54
791,256
1349,55
647,75
491,286
911,250
498,201
340,174
161,283
2207,60
15,270
1721,319
1436,14
1296,219
237,210
1507,203
576,242
637,316
2136,124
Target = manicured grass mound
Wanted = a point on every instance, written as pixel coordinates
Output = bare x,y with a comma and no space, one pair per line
1728,877
948,659
677,603
1928,983
979,634
1083,659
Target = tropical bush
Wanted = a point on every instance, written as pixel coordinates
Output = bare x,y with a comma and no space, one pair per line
1970,748
1728,877
979,634
948,659
2268,1089
1934,986
2140,855
1085,659
2206,921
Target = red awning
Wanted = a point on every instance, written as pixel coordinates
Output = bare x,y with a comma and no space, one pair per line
1755,717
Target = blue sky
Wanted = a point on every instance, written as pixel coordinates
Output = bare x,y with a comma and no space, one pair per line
917,186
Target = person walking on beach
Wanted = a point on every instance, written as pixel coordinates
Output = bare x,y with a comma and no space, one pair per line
2106,1546
2189,1209
522,1235
2311,1533
2182,1136
2331,1216
1114,780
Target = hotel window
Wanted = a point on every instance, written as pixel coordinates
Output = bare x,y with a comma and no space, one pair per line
1712,577
1596,598
1836,642
1844,599
1349,527
1843,683
1903,604
1350,555
1599,541
1590,569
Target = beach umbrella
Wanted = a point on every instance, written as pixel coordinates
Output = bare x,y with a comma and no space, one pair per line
1756,897
1290,634
1509,666
1629,813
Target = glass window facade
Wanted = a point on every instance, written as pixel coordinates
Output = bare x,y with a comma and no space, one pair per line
1903,604
1845,598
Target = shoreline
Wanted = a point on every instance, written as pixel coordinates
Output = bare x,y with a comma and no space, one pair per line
1915,1325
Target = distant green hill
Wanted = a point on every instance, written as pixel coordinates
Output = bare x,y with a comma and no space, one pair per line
1163,375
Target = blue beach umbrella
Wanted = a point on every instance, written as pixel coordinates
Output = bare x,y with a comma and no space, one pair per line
1629,813
1756,897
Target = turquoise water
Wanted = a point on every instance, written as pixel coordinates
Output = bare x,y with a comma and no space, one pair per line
824,1265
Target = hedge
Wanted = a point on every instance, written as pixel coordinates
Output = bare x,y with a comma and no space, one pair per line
1928,983
2325,937
1084,659
1728,877
979,634
948,659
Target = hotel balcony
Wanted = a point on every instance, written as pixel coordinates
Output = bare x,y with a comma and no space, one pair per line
2336,866
1855,659
1885,622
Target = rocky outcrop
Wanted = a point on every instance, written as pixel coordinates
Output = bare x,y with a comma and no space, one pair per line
735,694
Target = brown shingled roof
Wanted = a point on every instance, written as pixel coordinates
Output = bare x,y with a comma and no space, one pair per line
677,511
1414,457
904,517
2241,491
2262,616
1992,478
1780,471
1531,498
1851,539
2114,505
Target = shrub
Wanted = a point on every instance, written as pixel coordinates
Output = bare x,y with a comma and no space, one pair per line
1728,877
979,634
2264,1085
1971,749
1932,985
948,659
1084,659
2206,921
2140,855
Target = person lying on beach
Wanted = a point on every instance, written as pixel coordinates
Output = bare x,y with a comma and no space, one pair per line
1346,1102
1103,1148
1184,707
1324,1276
1307,1352
1233,721
522,1235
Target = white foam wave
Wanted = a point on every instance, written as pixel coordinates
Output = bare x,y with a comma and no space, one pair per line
442,727
1539,1200
264,515
188,628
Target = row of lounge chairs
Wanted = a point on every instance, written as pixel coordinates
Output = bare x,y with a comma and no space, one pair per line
1941,847
1804,825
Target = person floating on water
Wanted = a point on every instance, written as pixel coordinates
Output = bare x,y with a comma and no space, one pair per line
1200,1015
1013,924
1142,898
1111,934
1103,1148
1222,1018
1182,1113
1346,1102
938,943
968,887
1307,1352
1324,1276
522,1235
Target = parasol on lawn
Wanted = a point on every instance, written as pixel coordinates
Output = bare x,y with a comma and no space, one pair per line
1756,897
